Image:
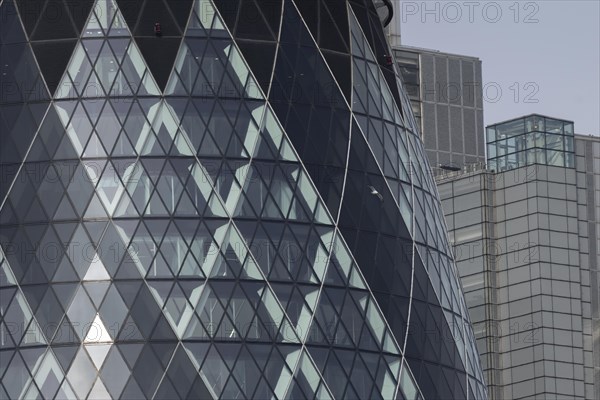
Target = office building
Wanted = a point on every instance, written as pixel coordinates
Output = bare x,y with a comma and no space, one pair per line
219,199
525,232
446,96
519,273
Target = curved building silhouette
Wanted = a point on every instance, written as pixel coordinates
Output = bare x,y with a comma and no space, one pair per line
219,199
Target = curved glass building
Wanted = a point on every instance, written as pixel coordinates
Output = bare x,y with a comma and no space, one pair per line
207,199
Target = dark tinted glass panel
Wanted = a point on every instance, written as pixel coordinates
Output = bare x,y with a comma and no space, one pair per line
260,57
340,66
251,23
229,11
181,11
10,29
271,11
54,23
130,9
339,14
330,36
52,58
156,12
309,9
30,11
80,12
159,54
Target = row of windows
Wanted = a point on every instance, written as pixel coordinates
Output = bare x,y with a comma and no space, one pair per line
545,386
541,352
534,173
510,308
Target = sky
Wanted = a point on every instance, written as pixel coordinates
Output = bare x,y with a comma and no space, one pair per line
537,56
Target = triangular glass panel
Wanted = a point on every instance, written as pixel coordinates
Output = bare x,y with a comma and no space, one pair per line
33,393
195,330
7,278
214,370
11,30
136,72
65,333
65,210
263,390
19,66
16,371
98,392
33,335
95,209
130,331
82,312
66,391
242,73
210,310
186,67
273,141
18,312
96,271
163,331
190,267
176,87
108,127
231,390
136,126
130,352
118,26
123,147
235,258
201,19
178,311
82,374
106,67
217,29
98,353
112,372
65,150
95,26
100,19
96,291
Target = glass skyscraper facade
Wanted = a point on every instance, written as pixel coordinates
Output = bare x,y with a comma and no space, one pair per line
219,199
